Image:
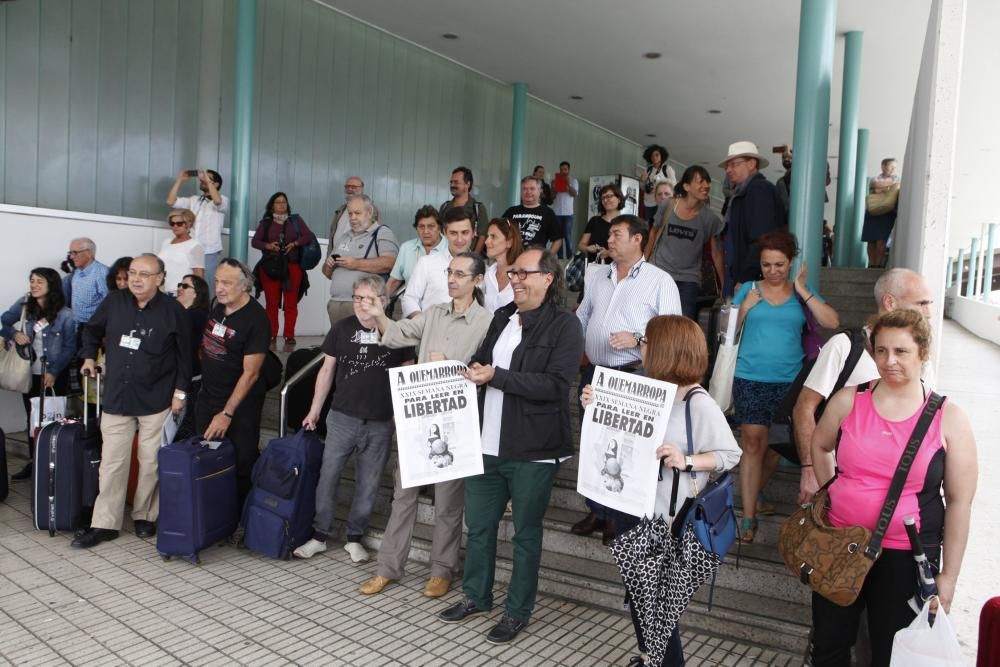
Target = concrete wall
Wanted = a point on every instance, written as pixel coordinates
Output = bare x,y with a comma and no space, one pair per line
982,319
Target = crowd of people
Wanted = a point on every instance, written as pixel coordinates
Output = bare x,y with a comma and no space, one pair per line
179,332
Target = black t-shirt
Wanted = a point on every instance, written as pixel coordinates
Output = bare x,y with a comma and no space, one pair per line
538,225
226,340
362,380
599,229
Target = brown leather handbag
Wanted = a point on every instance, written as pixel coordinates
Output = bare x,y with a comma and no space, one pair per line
835,561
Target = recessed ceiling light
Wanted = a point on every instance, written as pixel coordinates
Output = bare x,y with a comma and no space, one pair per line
704,162
449,35
575,97
651,55
650,135
715,111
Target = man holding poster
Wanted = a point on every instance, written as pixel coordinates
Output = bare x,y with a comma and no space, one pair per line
526,364
444,332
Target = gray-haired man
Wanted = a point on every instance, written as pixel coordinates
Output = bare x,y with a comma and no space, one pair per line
366,248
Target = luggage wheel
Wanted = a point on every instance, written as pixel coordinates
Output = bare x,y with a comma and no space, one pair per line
165,557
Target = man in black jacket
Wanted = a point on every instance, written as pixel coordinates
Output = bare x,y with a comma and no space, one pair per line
525,365
754,209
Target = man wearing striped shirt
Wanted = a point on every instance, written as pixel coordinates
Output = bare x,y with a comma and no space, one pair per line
618,302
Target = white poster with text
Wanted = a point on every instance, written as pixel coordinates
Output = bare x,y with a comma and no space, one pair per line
437,423
622,427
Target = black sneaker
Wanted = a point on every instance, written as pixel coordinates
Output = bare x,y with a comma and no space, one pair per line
144,529
22,474
92,537
505,631
461,611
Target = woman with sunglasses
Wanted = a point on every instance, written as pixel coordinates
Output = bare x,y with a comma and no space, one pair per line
193,294
181,254
503,245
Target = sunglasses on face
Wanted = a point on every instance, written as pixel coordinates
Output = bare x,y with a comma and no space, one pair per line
177,223
181,286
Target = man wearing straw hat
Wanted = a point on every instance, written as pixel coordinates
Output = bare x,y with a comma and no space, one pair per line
755,209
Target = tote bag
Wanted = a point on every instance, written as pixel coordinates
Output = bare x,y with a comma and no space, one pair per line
15,370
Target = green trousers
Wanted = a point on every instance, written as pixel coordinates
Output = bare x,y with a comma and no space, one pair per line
528,486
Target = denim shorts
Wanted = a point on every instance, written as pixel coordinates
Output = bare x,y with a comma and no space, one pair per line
756,401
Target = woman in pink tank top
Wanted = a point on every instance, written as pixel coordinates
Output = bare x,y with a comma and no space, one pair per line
875,425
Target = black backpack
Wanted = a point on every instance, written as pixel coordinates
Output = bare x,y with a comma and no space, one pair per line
782,418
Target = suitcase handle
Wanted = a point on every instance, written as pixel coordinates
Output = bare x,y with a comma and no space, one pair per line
292,381
86,388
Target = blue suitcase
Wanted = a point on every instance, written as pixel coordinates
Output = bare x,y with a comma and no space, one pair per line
278,514
64,480
198,501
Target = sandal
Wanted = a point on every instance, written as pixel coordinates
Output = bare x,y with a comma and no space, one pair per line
748,529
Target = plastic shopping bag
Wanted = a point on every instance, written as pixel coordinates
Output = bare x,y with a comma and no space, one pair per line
922,645
55,409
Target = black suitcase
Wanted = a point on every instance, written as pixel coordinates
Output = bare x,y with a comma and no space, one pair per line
298,398
65,473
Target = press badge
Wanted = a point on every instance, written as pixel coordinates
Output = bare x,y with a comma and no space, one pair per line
129,341
219,330
367,338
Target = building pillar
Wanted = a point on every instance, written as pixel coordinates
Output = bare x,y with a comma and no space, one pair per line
951,272
817,30
858,256
847,157
239,211
970,287
991,247
959,269
520,106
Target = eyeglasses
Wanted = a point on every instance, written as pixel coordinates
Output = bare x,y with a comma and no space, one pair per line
357,298
352,187
176,223
145,275
735,163
74,253
609,196
457,274
184,286
522,274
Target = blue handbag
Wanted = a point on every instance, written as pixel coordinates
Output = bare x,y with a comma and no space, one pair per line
710,513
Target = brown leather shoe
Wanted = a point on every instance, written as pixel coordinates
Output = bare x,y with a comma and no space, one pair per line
587,525
374,585
437,587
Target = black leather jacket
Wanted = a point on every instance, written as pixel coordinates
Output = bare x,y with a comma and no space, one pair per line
535,424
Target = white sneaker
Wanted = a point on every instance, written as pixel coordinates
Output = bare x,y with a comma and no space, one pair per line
310,549
358,552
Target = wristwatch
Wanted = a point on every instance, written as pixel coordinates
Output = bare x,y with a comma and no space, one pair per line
688,463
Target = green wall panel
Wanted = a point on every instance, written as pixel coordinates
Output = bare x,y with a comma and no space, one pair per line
104,101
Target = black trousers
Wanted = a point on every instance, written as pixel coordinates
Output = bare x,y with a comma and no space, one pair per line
889,585
244,431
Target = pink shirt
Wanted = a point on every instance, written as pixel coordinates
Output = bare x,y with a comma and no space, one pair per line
868,454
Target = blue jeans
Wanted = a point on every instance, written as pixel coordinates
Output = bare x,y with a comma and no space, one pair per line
211,264
369,441
689,298
566,226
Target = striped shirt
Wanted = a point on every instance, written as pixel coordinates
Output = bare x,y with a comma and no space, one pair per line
610,306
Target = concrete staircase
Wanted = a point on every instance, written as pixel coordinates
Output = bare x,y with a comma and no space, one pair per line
851,292
754,601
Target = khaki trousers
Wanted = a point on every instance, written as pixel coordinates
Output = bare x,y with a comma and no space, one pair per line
449,503
338,310
116,457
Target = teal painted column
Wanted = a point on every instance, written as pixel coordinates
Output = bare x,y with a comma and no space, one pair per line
991,247
960,269
239,210
817,29
970,287
520,107
859,259
850,101
949,273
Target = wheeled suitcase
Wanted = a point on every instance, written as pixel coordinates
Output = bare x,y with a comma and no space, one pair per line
278,514
65,475
198,500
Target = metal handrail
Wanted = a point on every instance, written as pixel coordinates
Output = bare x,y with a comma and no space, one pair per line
292,381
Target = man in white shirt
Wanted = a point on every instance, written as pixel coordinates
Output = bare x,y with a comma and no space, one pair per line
565,189
896,288
618,302
209,210
429,283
